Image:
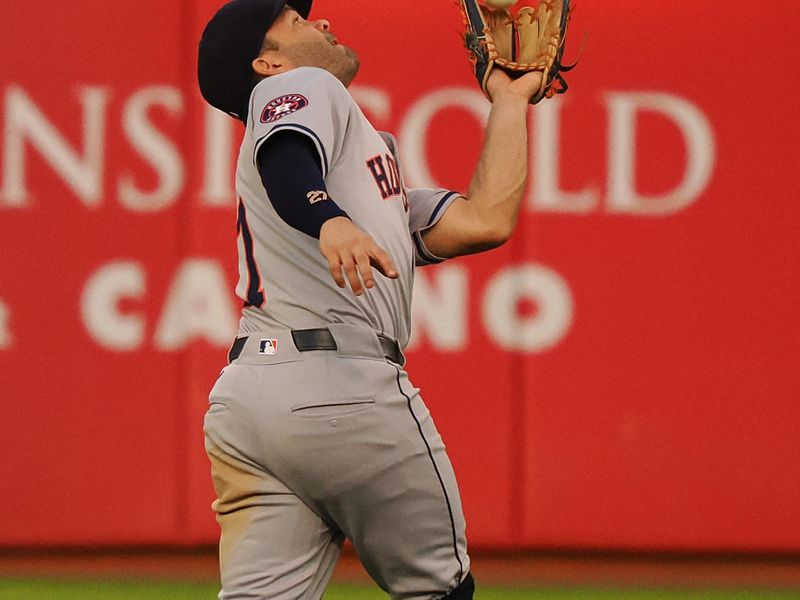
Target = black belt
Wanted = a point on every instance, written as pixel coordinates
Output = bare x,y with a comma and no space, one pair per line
321,339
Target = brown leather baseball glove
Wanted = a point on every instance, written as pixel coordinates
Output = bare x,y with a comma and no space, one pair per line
518,40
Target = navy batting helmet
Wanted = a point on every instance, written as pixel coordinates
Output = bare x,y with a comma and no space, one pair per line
231,41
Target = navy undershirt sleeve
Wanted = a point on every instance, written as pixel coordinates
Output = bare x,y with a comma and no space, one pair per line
291,172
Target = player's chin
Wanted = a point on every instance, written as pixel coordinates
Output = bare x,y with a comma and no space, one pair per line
348,66
351,57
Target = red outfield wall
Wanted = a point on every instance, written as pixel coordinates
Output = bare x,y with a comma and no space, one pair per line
623,374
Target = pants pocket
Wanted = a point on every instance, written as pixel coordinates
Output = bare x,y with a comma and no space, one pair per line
333,408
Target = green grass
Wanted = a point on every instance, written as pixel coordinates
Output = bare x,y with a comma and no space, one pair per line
120,590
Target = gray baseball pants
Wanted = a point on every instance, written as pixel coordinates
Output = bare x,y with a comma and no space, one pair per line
308,448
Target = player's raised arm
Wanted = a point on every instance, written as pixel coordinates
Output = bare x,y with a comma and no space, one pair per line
502,39
487,217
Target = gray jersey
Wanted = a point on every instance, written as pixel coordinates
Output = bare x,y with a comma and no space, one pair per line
283,278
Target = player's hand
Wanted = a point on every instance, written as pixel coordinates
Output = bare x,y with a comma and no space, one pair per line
350,249
500,84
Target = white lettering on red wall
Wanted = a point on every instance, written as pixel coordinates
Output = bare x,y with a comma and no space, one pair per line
514,330
439,307
697,134
198,304
155,148
546,193
80,163
441,313
100,305
413,132
26,125
218,159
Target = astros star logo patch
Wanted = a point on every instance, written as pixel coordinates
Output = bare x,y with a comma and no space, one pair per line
282,106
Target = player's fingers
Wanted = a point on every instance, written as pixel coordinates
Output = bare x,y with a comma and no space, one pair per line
335,267
351,272
365,269
381,260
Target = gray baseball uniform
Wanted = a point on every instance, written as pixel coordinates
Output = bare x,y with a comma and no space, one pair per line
310,445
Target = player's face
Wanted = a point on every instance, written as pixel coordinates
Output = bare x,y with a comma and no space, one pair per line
302,43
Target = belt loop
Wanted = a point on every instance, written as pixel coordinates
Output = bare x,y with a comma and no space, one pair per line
236,348
391,349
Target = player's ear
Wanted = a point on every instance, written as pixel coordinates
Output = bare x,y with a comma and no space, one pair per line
269,63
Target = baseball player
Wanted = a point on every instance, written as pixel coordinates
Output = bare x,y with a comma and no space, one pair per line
314,431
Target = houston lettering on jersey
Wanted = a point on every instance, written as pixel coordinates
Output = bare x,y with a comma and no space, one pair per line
387,179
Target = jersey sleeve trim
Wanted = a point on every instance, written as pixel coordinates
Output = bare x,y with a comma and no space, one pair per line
422,256
300,129
435,214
